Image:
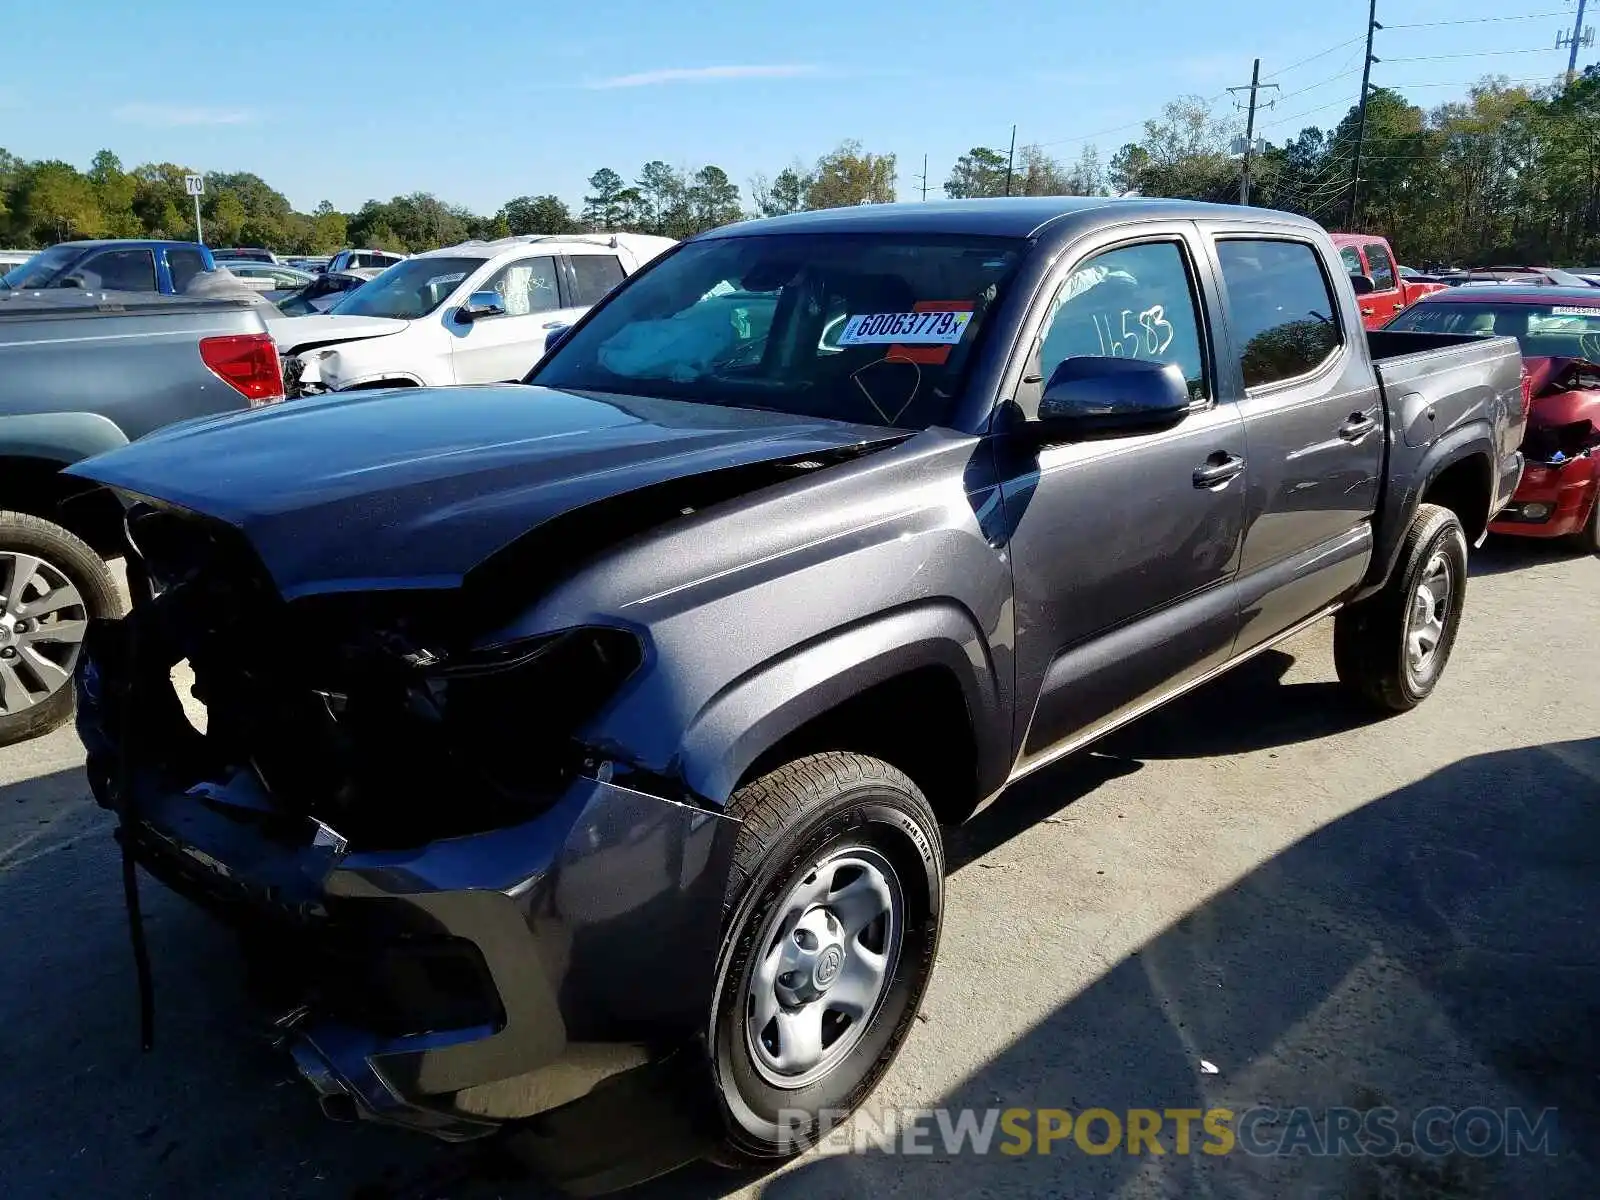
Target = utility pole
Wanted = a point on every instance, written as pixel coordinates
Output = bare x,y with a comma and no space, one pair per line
923,178
1250,128
1574,42
1361,124
1011,158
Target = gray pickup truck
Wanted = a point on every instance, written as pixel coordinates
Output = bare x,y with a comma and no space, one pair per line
80,373
625,710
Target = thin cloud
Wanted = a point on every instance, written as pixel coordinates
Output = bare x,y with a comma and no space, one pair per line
705,74
180,114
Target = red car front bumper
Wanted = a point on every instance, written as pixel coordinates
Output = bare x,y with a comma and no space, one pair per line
1551,501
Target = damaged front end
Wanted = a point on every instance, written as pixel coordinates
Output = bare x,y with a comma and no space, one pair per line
469,919
1561,449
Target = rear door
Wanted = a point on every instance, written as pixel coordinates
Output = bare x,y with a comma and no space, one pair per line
1123,548
1386,297
1299,372
504,348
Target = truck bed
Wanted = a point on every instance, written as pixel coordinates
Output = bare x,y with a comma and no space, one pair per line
1435,382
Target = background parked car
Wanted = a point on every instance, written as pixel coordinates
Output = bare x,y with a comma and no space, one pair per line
1526,276
124,265
480,312
273,280
1370,255
324,291
1558,330
346,259
232,254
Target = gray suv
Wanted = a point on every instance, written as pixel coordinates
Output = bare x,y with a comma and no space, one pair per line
584,747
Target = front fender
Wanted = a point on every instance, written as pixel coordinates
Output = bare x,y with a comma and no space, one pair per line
754,713
63,438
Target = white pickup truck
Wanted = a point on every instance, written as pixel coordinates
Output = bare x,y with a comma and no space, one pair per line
479,312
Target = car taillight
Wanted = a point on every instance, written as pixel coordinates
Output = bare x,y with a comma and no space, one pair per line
246,362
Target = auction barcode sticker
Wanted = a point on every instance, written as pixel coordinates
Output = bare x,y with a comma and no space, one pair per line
943,328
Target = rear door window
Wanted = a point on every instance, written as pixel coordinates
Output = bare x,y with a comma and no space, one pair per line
120,271
593,275
1280,308
1382,267
184,265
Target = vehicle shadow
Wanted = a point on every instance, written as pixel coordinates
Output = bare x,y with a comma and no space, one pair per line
1501,554
1435,946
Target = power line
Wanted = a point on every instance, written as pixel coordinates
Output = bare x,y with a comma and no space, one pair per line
1470,54
1477,20
1314,86
1314,57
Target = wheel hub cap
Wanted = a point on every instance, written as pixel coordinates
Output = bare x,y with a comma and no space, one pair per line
1425,622
829,952
42,623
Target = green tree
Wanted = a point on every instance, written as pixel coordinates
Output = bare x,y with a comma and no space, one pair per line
713,198
848,175
665,195
538,215
979,172
602,209
114,190
785,194
330,229
56,204
225,217
1038,174
159,200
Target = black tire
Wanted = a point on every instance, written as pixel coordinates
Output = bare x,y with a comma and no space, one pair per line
1587,539
87,572
797,818
1370,638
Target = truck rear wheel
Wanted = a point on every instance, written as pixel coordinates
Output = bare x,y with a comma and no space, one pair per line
833,917
51,583
1392,647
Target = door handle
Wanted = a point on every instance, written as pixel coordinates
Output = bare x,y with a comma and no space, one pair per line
1357,427
1218,469
555,324
1366,312
1398,305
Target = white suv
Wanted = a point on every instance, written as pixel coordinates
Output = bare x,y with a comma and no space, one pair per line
480,312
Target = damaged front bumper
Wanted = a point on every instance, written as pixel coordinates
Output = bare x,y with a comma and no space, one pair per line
448,987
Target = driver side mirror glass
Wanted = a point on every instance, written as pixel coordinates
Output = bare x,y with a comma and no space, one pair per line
1362,285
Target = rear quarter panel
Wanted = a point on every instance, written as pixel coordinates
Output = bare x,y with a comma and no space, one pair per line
140,370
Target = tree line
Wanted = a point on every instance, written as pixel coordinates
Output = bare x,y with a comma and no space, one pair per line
1508,174
50,201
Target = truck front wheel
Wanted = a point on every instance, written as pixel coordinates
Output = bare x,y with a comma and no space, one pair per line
1392,648
51,583
832,924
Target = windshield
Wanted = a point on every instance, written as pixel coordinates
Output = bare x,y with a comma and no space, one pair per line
409,289
1551,330
865,328
42,267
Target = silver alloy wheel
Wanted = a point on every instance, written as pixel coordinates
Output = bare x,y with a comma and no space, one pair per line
42,622
831,947
1429,611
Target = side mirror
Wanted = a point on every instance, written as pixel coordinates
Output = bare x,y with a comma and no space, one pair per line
70,281
1362,285
555,337
480,305
1104,397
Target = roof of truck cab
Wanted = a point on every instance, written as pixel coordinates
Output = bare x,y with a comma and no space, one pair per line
1014,216
96,243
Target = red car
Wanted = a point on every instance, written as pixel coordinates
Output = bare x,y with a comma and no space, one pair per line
1559,331
1368,254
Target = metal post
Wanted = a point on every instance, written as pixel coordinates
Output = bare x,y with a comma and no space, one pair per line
198,236
1361,125
924,178
1572,55
1011,158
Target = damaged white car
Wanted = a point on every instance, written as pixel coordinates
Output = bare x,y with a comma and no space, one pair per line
480,312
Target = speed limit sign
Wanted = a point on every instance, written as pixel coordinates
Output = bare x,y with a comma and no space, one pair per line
195,185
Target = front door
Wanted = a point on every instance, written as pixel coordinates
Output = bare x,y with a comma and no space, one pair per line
1123,549
502,349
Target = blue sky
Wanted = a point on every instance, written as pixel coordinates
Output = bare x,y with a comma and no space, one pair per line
484,101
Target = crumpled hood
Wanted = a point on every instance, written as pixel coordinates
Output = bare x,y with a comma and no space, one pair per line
291,333
413,488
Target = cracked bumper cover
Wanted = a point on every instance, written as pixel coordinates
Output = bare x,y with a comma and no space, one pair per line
465,982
